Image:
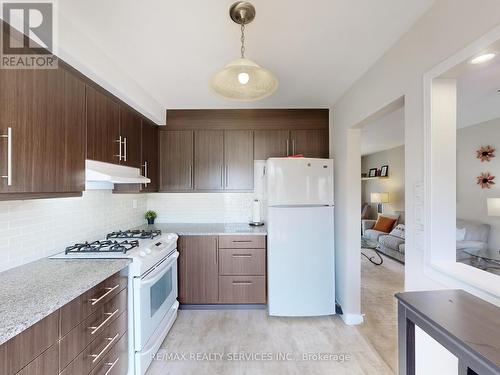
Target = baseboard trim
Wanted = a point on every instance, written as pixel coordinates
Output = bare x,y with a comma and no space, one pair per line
223,307
352,319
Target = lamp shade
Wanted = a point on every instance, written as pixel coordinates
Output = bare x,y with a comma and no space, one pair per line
493,206
379,197
244,80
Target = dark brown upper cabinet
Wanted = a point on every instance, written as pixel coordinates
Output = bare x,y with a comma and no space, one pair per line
209,159
104,142
149,160
238,160
312,143
42,128
271,144
130,132
176,160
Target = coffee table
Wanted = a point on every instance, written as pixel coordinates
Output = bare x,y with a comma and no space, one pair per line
366,243
486,260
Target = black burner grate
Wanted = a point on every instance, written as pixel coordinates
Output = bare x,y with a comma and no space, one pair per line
139,234
106,246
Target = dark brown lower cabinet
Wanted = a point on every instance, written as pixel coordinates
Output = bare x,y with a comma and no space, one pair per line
211,272
86,336
198,269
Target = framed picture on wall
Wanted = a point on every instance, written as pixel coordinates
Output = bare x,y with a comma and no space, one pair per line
384,171
372,172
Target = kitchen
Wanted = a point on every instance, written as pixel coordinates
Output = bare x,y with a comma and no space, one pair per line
90,288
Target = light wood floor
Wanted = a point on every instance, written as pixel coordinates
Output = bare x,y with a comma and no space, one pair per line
378,286
253,332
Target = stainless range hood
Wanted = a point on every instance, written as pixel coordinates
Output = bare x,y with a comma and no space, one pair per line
99,175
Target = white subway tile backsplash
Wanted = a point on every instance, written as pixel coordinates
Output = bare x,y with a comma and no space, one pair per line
201,207
34,229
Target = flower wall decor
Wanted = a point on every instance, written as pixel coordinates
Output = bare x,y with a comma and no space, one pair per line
485,180
485,153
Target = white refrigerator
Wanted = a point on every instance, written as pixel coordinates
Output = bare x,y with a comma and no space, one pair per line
300,255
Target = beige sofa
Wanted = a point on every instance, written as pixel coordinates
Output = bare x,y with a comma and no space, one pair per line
476,237
391,244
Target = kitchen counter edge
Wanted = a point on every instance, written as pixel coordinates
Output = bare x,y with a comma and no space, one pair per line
35,290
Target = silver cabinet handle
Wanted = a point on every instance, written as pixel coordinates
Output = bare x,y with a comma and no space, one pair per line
287,147
242,255
145,165
242,283
191,176
221,176
124,148
110,316
227,175
293,147
216,252
109,290
8,176
111,340
119,141
111,365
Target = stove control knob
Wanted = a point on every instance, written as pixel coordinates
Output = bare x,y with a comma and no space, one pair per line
142,253
147,251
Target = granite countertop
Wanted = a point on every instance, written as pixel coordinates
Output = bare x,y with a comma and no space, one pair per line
207,229
33,291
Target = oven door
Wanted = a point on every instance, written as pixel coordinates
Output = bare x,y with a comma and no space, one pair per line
154,294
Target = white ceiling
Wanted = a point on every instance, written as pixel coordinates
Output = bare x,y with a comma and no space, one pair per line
384,134
316,48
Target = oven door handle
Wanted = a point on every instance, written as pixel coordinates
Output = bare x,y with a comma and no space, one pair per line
157,273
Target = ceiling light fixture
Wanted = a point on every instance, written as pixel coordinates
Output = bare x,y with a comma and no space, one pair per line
243,79
483,58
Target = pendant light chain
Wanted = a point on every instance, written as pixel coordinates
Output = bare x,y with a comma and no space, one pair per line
242,40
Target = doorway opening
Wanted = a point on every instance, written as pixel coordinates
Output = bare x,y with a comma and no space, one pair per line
382,253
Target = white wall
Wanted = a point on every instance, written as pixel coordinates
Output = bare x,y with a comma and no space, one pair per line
394,185
471,199
34,229
449,26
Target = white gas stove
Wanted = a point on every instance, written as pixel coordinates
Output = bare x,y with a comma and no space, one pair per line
152,297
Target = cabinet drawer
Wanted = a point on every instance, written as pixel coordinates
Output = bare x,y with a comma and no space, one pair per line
83,334
97,350
29,344
81,307
45,364
233,262
242,242
242,289
115,362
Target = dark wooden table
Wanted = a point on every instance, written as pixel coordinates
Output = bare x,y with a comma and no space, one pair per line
467,326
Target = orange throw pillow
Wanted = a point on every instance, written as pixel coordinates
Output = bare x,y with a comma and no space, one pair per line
384,224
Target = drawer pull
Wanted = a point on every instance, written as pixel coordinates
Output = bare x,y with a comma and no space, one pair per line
110,315
111,365
242,255
111,341
242,241
109,290
242,283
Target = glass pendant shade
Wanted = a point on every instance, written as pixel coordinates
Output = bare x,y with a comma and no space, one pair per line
244,80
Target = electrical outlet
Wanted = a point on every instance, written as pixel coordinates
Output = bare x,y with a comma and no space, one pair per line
134,203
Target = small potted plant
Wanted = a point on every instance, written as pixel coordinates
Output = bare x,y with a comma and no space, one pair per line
150,216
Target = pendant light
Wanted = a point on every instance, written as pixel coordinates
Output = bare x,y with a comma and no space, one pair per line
243,79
